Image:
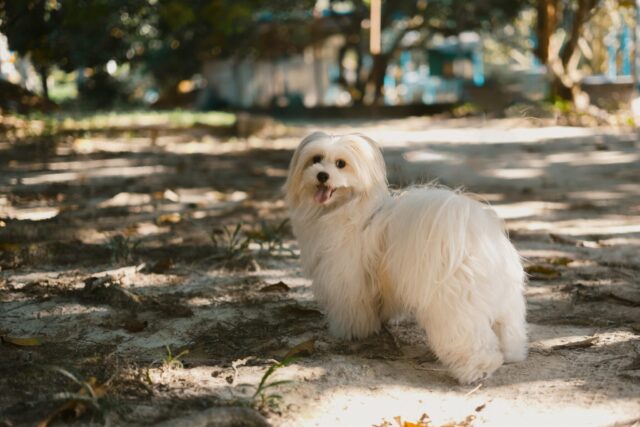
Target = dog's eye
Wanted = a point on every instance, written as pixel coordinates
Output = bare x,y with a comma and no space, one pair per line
317,159
340,163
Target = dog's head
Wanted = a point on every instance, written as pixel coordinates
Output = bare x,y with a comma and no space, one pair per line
329,170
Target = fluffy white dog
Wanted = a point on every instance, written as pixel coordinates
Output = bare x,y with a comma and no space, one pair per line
431,252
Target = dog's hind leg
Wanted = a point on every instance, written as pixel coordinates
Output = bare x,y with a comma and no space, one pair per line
511,329
462,339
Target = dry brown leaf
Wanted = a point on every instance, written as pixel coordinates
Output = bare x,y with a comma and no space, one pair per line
161,266
542,271
135,325
561,261
21,342
276,287
172,218
467,422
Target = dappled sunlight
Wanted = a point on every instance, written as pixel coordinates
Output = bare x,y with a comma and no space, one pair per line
111,145
596,196
141,211
29,214
354,406
213,145
126,199
479,135
69,309
107,172
517,210
547,254
516,173
430,156
594,158
621,241
78,165
142,119
582,227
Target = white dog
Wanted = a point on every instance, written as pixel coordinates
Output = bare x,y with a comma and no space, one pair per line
428,251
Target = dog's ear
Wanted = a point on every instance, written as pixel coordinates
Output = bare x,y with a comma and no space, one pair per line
377,167
293,176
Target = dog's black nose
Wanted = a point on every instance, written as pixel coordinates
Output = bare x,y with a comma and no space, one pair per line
323,176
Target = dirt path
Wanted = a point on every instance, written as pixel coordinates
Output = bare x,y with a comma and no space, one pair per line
115,247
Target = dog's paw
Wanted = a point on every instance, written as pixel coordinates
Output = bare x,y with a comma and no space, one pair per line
477,367
354,330
516,354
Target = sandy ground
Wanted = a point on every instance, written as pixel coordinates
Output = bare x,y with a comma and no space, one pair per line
118,247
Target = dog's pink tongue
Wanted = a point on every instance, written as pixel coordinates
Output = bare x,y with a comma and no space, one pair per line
322,195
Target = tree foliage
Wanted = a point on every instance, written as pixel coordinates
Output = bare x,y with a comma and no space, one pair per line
68,34
168,38
171,39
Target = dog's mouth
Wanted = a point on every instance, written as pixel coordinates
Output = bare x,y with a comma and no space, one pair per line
323,194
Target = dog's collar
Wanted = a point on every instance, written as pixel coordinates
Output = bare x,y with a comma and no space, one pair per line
370,219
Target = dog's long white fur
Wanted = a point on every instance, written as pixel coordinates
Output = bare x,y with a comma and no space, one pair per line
429,251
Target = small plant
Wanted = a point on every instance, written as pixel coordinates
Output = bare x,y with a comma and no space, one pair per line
269,237
262,399
122,248
231,241
562,105
89,396
173,361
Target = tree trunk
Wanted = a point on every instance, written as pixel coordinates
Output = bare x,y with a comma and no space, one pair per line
376,78
563,64
581,17
546,26
44,73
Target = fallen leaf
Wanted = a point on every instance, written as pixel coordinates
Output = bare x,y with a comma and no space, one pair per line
21,342
299,311
172,218
481,407
135,325
538,271
467,422
160,266
276,287
305,348
561,261
425,421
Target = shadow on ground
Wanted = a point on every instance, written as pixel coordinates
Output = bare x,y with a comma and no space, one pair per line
115,246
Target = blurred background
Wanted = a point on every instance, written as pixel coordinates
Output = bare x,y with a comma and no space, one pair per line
289,56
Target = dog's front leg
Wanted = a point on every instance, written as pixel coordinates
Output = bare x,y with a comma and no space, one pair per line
351,304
